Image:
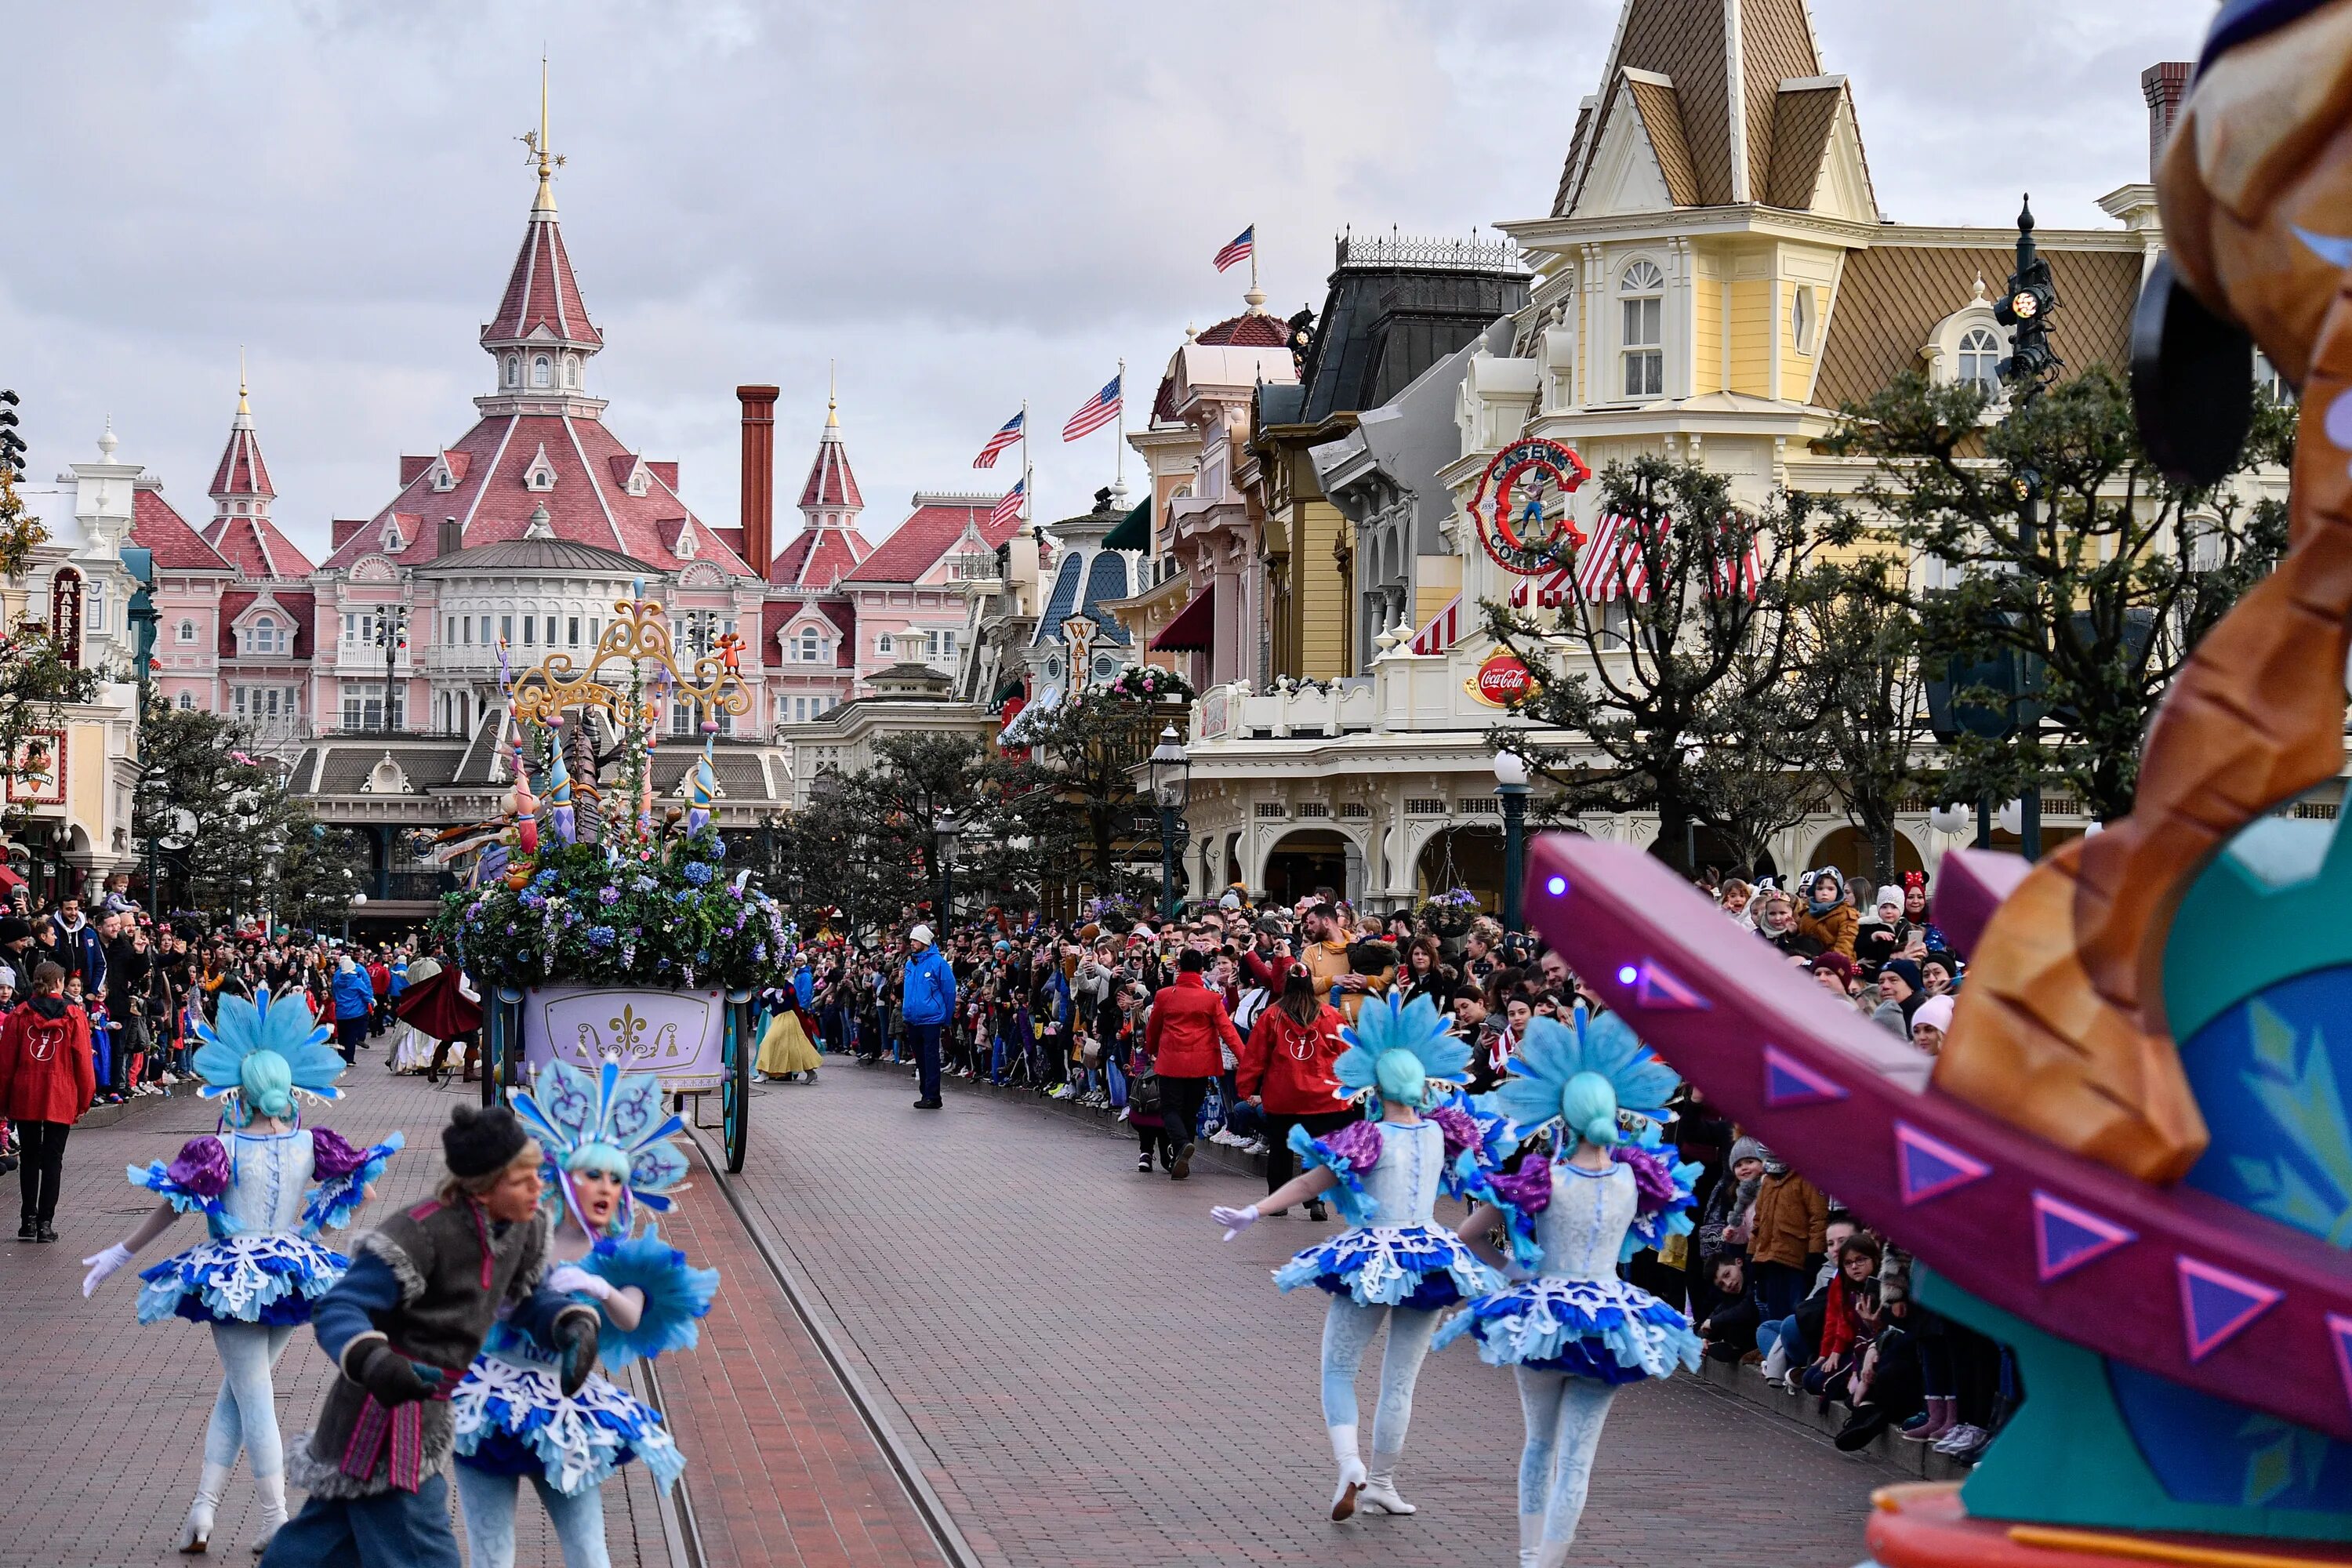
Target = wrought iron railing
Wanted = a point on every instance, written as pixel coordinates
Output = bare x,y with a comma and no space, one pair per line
1396,249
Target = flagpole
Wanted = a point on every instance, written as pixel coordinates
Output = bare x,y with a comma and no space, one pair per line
1028,490
1252,230
1118,472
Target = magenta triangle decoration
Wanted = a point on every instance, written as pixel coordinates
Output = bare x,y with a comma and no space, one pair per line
1788,1081
2339,1330
1659,990
1929,1167
2066,1237
2216,1305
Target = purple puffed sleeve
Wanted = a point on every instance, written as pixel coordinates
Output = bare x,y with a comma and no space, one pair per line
1654,1182
1359,1143
1462,1134
201,1168
1527,1189
332,1155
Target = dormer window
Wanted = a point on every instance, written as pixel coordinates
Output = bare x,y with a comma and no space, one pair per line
541,475
811,650
392,542
543,370
1642,301
443,482
514,370
1979,360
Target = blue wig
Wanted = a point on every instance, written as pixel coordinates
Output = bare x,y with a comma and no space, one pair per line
287,1030
1400,1052
1583,1077
611,1121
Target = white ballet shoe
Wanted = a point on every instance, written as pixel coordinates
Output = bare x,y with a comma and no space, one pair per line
1530,1539
1351,1473
1380,1486
197,1535
271,1491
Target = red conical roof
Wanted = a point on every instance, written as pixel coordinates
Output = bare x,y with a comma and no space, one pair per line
830,482
541,292
242,475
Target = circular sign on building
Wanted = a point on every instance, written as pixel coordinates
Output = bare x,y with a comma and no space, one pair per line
1501,679
1520,508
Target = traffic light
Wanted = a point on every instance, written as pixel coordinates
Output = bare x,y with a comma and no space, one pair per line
12,445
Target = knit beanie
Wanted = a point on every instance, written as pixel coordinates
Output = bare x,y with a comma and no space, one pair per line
1935,1012
478,1141
1907,970
1746,1148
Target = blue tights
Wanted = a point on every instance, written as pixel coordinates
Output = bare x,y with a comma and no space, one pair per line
1348,1332
489,1502
1564,1415
244,1416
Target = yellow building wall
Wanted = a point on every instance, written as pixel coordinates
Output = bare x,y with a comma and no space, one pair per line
1707,336
1436,580
87,781
1319,598
1796,367
1751,336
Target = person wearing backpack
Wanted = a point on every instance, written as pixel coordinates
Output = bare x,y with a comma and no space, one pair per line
1285,1072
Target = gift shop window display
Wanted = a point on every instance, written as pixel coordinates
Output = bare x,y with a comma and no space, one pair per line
1391,1264
610,1157
266,1185
1575,1332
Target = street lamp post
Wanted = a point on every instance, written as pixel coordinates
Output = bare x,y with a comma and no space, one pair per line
1511,787
1171,789
391,636
2025,310
946,833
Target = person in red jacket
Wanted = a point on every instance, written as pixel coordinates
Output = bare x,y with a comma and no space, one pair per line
1188,1036
1285,1072
47,1082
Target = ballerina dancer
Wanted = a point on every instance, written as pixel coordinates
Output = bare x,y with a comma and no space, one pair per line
608,1152
260,1268
1392,1263
1575,1332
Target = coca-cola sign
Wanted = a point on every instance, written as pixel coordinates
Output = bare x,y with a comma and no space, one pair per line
1501,679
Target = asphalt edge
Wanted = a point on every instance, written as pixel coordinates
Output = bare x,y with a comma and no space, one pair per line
904,1464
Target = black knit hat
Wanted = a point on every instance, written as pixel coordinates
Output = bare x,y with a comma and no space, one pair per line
13,930
478,1143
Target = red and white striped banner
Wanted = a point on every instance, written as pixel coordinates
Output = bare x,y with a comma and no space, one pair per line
1444,628
1549,590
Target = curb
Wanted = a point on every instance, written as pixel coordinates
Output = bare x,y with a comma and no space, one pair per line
1744,1382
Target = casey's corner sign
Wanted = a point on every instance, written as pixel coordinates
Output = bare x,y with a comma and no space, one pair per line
1520,508
1501,679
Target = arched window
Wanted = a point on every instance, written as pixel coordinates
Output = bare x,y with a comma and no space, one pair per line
1643,301
809,646
571,370
265,635
1979,360
187,632
514,370
188,702
543,370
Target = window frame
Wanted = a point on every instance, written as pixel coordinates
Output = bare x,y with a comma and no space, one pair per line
1641,329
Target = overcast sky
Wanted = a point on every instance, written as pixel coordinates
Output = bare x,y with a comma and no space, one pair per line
965,205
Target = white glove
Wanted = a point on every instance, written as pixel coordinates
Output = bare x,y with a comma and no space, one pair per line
1236,1220
102,1265
573,1279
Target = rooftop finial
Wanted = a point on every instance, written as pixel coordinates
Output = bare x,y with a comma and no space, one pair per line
244,409
831,398
535,142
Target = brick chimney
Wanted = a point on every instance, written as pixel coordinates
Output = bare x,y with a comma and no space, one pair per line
759,475
450,539
2164,86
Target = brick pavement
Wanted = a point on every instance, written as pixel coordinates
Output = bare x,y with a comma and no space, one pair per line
105,1418
1094,1379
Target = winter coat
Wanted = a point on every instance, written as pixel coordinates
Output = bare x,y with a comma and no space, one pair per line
928,994
1189,1022
1288,1064
1834,930
81,952
1792,1221
354,997
45,1071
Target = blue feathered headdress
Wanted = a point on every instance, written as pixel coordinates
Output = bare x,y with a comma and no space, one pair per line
242,1027
1550,1053
1387,1024
568,1110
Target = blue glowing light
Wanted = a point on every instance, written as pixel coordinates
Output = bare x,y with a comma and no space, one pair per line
1556,886
1627,975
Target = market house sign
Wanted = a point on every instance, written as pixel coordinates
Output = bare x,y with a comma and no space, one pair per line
1520,507
1502,678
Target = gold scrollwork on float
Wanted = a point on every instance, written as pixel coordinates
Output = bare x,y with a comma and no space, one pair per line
638,636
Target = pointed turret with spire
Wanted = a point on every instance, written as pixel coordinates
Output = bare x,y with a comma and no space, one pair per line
829,545
241,493
541,337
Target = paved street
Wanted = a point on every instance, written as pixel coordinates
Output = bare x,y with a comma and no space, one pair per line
106,1418
1094,1379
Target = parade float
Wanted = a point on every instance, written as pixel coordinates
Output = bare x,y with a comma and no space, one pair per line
2132,1162
601,918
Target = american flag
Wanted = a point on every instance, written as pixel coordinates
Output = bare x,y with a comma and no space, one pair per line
1013,429
1008,506
1611,562
1095,412
1243,246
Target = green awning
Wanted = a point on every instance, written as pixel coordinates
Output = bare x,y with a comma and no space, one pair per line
1007,689
1135,532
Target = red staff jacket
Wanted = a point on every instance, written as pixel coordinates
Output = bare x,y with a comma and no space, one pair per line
46,1073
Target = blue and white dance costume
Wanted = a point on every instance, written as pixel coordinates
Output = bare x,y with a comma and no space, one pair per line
1575,1331
1391,1264
267,1186
512,1418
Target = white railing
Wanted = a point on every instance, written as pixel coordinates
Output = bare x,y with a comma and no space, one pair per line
1235,711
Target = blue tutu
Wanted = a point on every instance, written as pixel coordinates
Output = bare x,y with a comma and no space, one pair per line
1602,1329
511,1419
1415,1265
273,1280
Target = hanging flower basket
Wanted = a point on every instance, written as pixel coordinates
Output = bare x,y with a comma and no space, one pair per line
1449,913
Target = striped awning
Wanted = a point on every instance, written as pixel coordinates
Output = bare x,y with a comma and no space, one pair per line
1443,630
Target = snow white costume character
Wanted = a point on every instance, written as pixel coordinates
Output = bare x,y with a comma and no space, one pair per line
609,1151
1391,1263
1575,1332
267,1185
